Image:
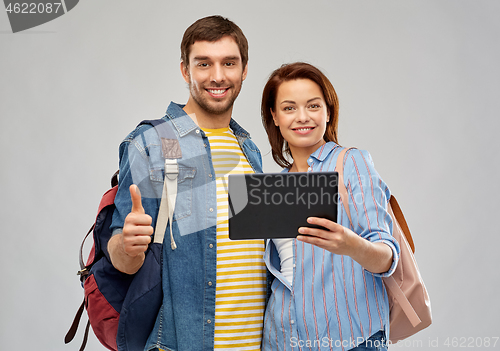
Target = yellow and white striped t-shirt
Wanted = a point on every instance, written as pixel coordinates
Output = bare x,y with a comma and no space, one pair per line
241,272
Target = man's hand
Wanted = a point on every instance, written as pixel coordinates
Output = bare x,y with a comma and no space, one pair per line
137,229
127,249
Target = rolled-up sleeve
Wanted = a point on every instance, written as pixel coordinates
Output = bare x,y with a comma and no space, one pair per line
368,200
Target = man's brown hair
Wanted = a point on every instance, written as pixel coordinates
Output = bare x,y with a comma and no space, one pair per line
213,28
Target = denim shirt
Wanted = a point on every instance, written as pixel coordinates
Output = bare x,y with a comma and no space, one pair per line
186,318
333,302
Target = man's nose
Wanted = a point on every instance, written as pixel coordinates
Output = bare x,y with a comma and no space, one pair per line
217,74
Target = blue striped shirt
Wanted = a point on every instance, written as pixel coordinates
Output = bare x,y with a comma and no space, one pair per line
333,303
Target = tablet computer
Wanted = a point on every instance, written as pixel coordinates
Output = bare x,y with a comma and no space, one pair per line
275,205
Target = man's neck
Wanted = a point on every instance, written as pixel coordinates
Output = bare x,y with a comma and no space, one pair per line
205,119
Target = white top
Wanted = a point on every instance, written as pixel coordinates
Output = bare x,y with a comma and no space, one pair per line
285,251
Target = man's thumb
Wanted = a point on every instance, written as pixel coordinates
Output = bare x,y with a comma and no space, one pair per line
135,196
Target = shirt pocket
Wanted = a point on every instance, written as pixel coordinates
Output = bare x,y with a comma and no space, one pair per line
183,202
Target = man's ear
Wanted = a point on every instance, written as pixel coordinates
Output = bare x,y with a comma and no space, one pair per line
245,71
185,72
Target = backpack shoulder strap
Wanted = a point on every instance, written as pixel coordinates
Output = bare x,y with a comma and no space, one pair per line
171,151
341,186
393,203
398,214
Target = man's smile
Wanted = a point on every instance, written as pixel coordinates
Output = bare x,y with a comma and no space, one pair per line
217,92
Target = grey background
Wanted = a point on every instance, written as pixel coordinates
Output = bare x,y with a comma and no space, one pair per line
418,83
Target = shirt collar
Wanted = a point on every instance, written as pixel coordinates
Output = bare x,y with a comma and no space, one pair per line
238,130
180,120
184,124
323,151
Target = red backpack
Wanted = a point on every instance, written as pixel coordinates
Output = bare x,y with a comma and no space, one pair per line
122,308
103,314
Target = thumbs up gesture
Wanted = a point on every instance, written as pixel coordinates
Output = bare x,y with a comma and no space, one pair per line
135,196
137,229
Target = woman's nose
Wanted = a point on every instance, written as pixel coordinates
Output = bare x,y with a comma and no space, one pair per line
303,116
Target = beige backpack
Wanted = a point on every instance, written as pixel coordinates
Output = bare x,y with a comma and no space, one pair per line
410,307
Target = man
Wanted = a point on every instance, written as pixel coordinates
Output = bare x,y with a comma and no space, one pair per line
213,288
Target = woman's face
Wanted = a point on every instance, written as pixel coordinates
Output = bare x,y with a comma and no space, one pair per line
301,114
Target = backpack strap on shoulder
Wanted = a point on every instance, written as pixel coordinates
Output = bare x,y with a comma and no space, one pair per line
171,151
398,213
341,186
167,205
393,203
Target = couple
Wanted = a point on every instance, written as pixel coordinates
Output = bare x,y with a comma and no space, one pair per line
326,291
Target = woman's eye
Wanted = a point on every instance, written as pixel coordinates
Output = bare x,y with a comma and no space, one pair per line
288,108
314,106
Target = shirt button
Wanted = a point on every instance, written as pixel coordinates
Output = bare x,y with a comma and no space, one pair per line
205,144
310,160
211,245
197,131
210,175
292,321
209,283
209,321
309,169
211,209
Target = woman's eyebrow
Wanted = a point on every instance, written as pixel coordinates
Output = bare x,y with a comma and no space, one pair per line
316,98
293,102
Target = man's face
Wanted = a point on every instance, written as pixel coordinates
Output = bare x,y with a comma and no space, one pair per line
215,74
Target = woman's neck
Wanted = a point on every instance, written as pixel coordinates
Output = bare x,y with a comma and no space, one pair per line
299,161
300,156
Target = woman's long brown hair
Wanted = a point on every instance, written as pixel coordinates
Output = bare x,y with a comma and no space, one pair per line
298,70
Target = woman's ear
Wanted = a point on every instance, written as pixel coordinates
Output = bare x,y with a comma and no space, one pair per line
274,117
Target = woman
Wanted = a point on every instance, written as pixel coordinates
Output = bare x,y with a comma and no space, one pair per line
327,292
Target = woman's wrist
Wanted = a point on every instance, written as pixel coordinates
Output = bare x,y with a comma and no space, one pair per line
374,257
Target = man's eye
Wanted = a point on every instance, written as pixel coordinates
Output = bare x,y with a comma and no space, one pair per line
229,64
203,64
